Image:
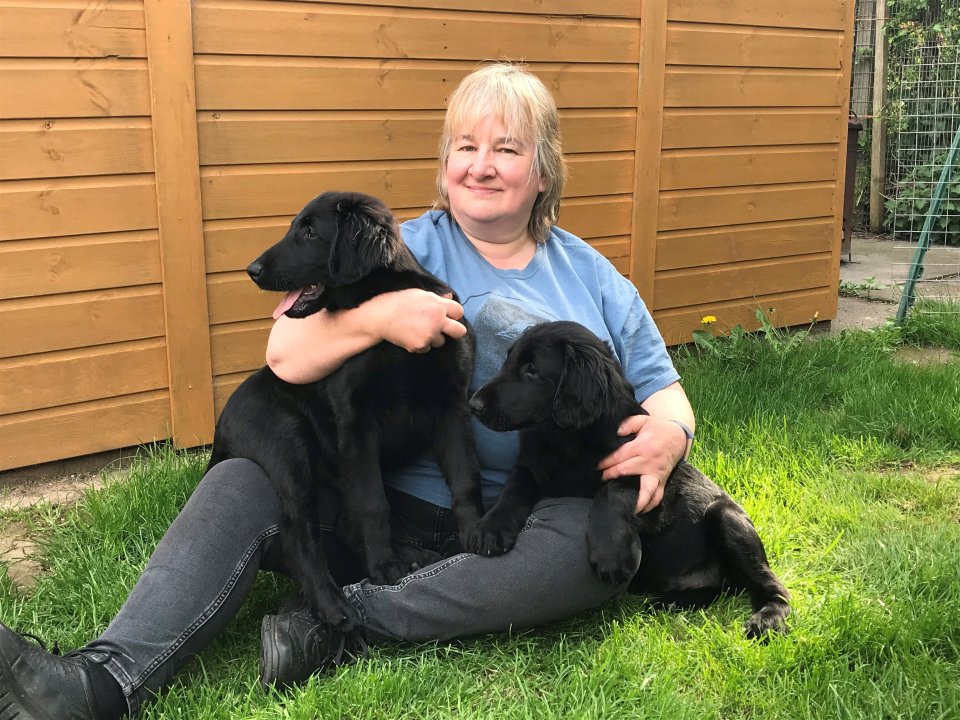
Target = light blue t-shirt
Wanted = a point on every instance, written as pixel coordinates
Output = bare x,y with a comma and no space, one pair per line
566,280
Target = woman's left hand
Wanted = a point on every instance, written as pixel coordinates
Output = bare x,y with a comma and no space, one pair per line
653,454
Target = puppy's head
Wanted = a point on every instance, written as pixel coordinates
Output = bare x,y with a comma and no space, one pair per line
337,239
557,373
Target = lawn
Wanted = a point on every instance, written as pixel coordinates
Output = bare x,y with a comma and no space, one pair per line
845,450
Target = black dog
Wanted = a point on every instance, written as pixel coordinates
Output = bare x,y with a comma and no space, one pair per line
380,410
565,392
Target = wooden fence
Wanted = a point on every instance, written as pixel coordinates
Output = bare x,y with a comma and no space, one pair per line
149,149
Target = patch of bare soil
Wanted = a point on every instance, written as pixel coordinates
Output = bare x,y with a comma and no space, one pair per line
17,547
925,356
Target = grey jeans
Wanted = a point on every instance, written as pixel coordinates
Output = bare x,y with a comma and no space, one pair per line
206,562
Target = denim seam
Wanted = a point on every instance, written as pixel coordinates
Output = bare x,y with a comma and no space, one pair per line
138,682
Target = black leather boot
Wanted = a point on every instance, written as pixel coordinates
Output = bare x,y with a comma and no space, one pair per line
295,645
39,685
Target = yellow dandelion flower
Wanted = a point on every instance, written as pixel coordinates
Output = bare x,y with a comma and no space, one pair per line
708,320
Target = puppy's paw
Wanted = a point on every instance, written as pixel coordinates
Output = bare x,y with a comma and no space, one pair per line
388,571
769,619
615,556
490,536
335,610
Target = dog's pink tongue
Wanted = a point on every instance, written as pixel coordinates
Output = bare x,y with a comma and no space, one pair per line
288,300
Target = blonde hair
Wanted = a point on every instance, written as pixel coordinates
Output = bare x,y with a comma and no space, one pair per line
511,93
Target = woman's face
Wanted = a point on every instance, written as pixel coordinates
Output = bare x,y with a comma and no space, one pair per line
489,181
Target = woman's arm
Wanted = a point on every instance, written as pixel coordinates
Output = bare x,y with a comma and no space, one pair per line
308,349
659,445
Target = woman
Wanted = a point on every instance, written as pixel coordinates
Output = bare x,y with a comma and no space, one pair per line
493,239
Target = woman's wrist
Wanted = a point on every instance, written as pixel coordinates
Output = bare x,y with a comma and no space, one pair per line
688,435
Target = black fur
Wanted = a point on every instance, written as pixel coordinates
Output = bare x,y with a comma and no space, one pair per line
566,393
381,409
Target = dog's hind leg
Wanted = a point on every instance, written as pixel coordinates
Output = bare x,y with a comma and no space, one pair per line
742,555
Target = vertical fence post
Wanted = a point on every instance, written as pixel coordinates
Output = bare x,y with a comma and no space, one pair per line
878,132
646,178
174,120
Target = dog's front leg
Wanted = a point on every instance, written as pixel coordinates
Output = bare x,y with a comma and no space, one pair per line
741,551
613,544
300,536
457,457
367,508
497,531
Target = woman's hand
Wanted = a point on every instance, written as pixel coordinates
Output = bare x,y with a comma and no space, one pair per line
416,320
657,448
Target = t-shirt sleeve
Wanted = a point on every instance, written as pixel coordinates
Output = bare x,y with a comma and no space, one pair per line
637,341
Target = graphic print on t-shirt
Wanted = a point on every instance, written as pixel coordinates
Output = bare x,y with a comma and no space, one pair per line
497,325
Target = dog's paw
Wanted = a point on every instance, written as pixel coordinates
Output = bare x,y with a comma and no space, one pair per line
614,557
769,619
388,571
489,537
337,611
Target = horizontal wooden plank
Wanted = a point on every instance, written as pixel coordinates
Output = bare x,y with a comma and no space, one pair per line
274,190
225,27
69,148
72,28
699,248
80,320
73,88
596,8
591,217
680,209
239,347
749,87
90,262
223,388
738,128
254,83
235,138
699,286
233,244
782,309
232,297
817,14
612,248
695,44
681,169
64,378
83,429
49,208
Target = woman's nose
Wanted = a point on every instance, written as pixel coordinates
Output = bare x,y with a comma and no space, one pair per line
482,165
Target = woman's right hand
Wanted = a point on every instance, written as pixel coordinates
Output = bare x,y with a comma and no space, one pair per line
416,320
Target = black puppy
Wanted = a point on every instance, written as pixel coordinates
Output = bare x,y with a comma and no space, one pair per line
563,389
380,410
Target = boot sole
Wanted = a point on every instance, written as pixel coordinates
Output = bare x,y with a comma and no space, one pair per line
269,658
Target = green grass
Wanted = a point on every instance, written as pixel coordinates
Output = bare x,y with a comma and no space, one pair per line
847,459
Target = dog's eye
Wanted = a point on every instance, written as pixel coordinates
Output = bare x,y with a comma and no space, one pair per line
529,371
308,232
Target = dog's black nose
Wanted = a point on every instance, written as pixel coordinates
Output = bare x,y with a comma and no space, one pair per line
476,405
255,269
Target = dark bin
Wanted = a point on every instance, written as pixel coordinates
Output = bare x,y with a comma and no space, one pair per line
854,126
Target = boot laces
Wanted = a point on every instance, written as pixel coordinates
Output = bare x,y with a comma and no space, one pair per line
55,650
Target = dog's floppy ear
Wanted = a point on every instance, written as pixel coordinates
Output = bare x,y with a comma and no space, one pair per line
366,240
587,386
